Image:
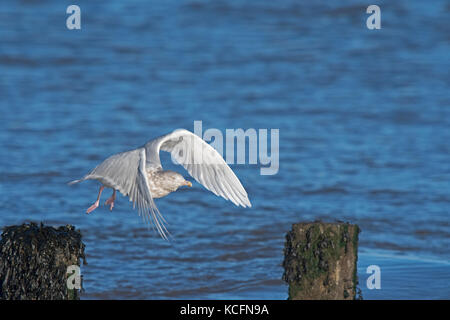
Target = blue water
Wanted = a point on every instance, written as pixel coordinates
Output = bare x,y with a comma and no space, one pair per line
363,116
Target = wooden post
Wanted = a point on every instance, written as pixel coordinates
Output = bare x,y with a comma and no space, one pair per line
34,261
320,261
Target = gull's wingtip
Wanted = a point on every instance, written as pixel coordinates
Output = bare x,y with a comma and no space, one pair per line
245,203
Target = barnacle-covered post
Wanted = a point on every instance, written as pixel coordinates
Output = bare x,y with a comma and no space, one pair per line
34,261
320,261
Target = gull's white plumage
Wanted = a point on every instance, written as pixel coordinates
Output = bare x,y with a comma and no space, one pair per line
128,172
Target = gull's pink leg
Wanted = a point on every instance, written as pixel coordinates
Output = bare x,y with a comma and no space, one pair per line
95,205
111,200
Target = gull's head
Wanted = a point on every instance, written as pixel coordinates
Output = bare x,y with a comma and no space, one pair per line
187,183
176,180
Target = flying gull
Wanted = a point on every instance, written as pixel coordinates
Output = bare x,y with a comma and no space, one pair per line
139,174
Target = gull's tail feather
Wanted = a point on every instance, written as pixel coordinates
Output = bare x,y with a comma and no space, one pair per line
75,181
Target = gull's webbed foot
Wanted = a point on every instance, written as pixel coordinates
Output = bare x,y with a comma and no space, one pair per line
95,205
111,200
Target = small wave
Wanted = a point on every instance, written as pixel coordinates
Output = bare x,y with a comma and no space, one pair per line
16,176
326,190
395,247
388,192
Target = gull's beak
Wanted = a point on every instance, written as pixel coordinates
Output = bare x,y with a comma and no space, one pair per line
188,183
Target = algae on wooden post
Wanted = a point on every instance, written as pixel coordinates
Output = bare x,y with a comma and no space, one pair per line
320,261
34,261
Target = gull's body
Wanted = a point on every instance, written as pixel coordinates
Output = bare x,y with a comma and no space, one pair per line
139,175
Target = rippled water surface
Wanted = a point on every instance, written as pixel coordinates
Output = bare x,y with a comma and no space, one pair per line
364,124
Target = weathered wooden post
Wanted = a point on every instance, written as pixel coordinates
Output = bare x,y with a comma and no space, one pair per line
34,261
320,261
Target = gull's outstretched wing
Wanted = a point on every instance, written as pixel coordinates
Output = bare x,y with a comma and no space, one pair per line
126,172
202,162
